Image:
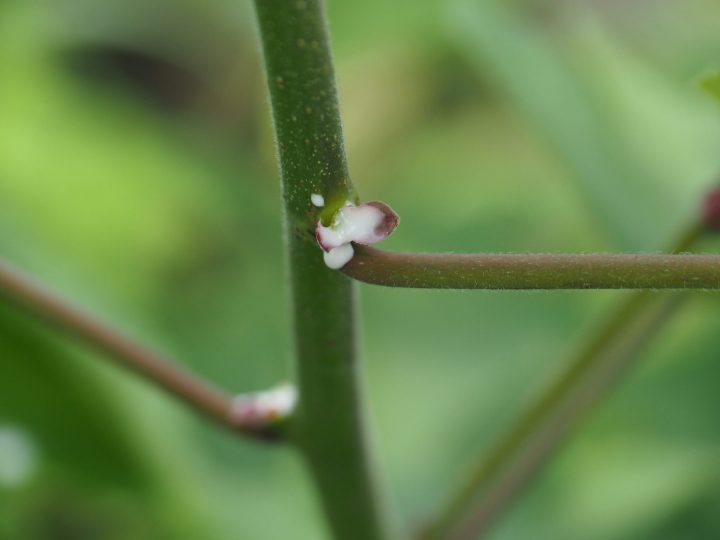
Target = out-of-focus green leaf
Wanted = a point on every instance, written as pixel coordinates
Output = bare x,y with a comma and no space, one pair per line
173,229
582,111
711,84
84,474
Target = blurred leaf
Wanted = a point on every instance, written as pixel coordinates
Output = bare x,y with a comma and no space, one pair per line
574,109
711,84
82,451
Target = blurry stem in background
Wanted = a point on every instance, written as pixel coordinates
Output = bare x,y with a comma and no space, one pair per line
252,415
329,427
533,271
510,464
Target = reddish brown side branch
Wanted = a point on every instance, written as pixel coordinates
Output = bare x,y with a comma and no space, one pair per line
196,392
533,271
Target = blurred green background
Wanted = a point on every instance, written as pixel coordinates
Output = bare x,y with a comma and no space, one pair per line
137,176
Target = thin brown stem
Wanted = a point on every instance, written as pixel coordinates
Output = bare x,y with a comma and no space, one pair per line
234,412
519,454
533,271
518,459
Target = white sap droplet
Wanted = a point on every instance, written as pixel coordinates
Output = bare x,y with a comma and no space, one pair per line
317,200
338,257
17,456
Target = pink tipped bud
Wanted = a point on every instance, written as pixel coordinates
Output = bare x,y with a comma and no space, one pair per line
262,408
385,226
711,210
364,224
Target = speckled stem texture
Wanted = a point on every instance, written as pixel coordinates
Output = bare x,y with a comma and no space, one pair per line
329,426
533,271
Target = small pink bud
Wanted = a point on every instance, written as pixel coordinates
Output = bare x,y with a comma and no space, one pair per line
385,227
711,210
367,223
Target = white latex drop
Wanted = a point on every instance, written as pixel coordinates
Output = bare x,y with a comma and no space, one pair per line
317,200
338,257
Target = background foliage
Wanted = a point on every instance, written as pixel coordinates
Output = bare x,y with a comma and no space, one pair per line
137,175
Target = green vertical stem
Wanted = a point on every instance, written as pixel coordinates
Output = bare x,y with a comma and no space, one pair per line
329,427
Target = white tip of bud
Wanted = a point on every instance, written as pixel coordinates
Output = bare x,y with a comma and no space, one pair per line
263,407
317,200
